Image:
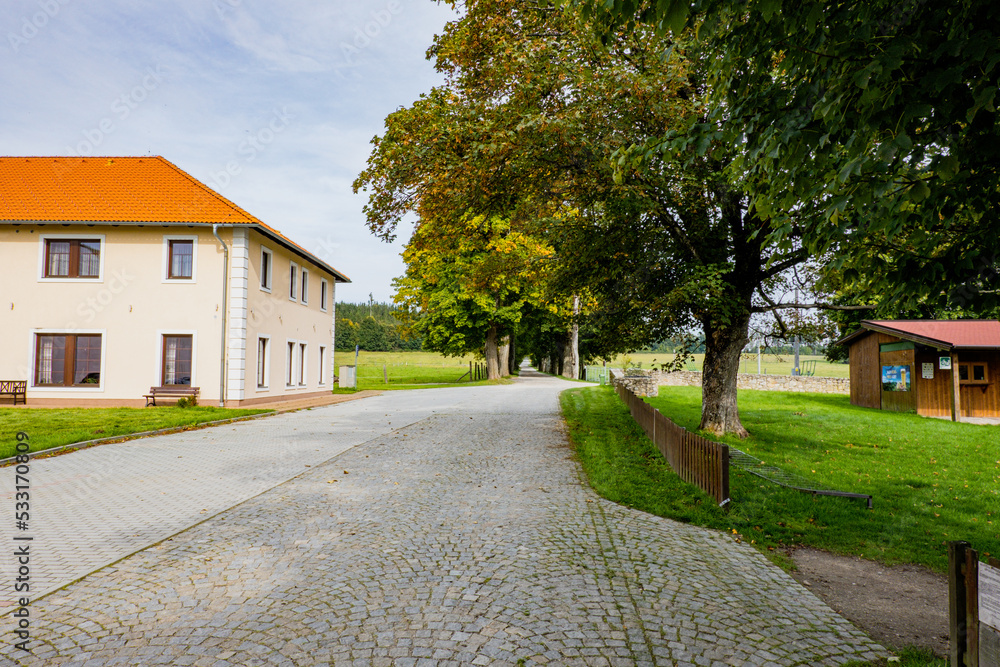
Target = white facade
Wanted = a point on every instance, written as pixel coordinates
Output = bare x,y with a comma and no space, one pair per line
97,313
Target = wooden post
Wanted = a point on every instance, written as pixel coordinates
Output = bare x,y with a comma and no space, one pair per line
385,374
957,599
972,607
471,378
956,394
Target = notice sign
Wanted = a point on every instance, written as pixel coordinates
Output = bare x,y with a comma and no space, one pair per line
989,596
895,378
944,363
927,371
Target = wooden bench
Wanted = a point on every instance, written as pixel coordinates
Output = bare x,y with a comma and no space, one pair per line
172,391
15,388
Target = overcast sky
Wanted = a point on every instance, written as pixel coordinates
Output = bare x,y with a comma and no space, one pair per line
272,103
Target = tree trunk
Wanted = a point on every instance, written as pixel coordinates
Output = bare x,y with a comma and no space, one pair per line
503,356
723,345
571,355
491,353
513,361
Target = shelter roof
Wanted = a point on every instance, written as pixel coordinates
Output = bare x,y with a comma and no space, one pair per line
942,334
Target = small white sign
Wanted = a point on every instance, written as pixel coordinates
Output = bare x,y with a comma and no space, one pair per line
989,595
944,363
927,371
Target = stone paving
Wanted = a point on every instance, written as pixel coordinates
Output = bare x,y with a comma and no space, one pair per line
466,537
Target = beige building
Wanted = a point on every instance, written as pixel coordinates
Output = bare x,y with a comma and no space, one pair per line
121,274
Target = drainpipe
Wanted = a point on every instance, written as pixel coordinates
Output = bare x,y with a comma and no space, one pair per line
225,315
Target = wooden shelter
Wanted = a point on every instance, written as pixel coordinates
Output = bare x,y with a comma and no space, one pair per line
936,368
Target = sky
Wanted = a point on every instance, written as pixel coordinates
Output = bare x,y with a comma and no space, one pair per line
272,103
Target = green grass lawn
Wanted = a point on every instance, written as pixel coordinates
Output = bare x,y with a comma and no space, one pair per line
933,481
770,364
405,370
49,428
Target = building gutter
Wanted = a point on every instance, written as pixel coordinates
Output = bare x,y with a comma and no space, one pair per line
225,315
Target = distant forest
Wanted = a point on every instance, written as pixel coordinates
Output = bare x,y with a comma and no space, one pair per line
372,326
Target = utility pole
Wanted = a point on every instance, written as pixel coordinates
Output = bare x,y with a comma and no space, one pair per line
796,371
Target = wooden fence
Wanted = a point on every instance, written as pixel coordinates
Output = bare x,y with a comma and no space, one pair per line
695,459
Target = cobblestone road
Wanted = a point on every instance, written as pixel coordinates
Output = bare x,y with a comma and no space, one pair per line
464,538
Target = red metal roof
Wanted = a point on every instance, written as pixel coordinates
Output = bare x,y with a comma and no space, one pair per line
119,190
948,333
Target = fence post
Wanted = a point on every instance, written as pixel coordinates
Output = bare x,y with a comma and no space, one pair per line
957,601
385,374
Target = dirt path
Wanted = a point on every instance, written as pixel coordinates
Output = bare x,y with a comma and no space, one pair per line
903,605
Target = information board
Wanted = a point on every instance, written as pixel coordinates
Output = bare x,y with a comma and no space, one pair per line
895,378
927,371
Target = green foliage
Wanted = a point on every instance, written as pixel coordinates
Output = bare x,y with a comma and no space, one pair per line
467,280
865,130
376,327
932,480
187,402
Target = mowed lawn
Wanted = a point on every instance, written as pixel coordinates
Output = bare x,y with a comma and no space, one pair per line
403,369
933,481
770,364
53,427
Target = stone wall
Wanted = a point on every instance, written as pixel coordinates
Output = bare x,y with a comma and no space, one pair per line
801,383
640,382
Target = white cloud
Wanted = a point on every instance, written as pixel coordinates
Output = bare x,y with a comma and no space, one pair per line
224,67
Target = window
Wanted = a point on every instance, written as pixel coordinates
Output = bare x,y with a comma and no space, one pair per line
973,373
180,259
305,286
323,287
177,353
68,360
302,364
263,363
322,365
290,364
293,281
266,262
72,258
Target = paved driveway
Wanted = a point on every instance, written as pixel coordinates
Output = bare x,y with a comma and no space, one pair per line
438,527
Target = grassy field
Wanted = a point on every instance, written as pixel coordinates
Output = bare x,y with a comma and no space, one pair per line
404,369
932,481
770,364
49,428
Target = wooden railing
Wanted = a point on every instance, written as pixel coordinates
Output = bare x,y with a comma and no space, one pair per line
695,459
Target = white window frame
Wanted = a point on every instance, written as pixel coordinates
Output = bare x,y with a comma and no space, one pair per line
293,281
160,333
324,293
266,277
304,287
290,347
303,358
267,363
322,366
32,341
167,238
83,236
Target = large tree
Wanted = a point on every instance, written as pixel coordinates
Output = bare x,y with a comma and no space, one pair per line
468,281
879,116
535,123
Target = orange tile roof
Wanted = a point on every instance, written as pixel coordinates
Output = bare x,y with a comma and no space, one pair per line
118,190
947,334
108,189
